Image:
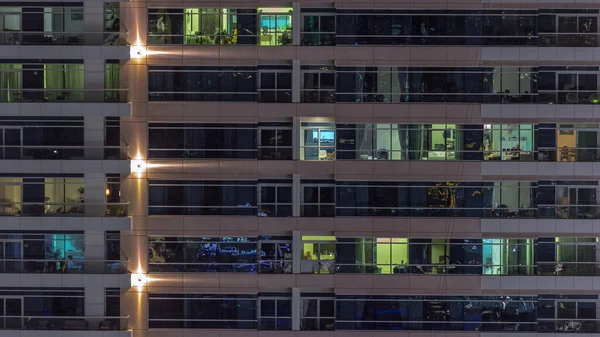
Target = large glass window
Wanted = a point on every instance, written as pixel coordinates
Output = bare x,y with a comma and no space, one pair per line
275,141
452,27
399,84
202,311
568,28
41,138
372,255
275,312
41,196
568,199
318,254
275,198
204,141
318,199
405,142
174,197
41,253
508,256
567,313
318,141
461,313
275,85
40,82
112,82
176,83
219,26
275,26
181,254
318,84
33,25
262,26
567,256
317,312
568,85
508,142
318,27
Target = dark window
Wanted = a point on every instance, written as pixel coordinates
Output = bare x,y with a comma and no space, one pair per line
202,141
203,198
203,311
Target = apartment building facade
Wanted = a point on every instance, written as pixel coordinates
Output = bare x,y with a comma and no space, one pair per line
319,168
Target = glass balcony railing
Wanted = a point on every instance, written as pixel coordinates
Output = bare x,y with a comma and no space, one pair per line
569,40
539,212
78,209
98,323
54,152
262,267
542,154
63,95
68,266
63,38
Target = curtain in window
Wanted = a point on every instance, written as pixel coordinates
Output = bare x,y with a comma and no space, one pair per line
417,140
74,81
112,82
10,82
63,82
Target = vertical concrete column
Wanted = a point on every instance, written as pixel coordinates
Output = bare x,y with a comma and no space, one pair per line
134,132
93,137
296,81
134,303
93,80
296,151
93,22
296,252
296,307
94,252
134,190
296,23
94,305
95,194
135,247
296,193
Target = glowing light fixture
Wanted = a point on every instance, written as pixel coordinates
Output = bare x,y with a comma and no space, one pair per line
138,280
137,52
138,166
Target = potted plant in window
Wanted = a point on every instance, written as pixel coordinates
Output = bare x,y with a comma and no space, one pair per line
286,37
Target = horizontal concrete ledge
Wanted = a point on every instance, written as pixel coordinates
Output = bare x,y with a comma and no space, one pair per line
340,333
344,55
341,226
537,112
66,223
372,284
460,228
377,170
64,333
67,52
65,166
65,109
535,53
96,281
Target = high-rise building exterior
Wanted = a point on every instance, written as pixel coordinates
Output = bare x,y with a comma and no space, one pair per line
312,168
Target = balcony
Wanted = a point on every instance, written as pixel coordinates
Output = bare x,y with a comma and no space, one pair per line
68,266
54,209
77,323
36,95
12,38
